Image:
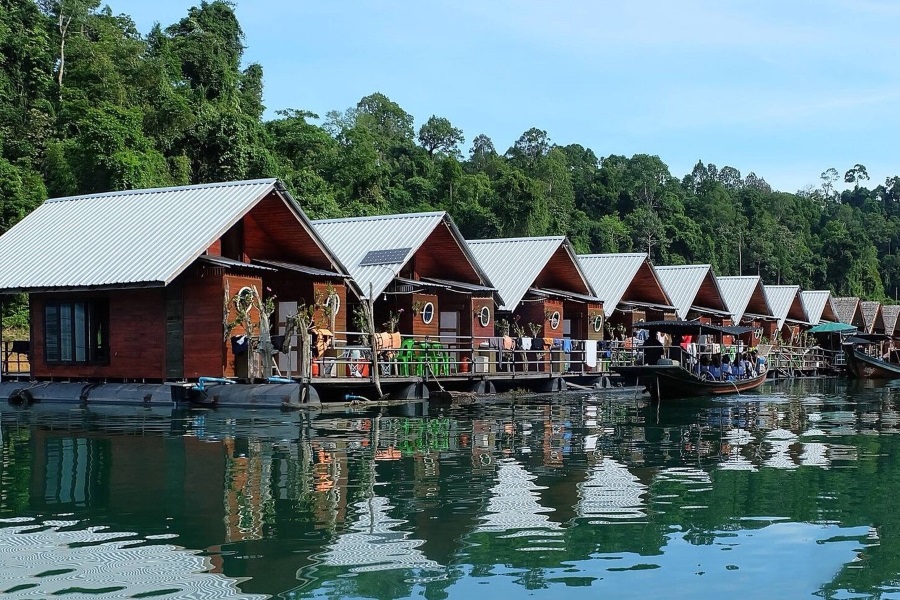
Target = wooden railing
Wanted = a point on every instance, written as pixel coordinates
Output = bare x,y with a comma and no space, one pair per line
14,357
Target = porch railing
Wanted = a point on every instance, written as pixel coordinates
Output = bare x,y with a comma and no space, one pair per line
14,358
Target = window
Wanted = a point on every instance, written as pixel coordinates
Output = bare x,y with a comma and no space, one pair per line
76,332
428,313
554,320
484,316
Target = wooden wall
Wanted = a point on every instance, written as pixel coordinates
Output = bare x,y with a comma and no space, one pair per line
137,333
538,312
234,284
479,333
320,289
204,343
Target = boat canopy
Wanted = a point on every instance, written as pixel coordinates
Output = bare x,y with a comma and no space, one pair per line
691,328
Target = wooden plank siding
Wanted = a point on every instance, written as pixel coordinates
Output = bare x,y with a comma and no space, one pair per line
204,344
137,333
233,285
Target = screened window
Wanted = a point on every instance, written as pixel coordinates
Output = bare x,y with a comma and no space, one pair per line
76,332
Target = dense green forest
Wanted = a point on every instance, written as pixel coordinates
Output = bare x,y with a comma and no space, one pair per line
88,104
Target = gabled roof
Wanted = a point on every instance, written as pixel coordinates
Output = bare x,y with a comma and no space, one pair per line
819,306
692,286
849,311
871,311
891,312
619,278
745,295
353,239
134,238
516,264
786,304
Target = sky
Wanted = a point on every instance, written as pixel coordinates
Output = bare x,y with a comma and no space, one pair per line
785,89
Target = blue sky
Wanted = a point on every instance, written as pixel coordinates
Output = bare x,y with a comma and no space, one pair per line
782,88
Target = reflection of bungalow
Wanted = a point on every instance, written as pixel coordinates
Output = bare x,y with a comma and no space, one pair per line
695,293
629,287
748,305
514,501
819,306
374,541
611,493
418,264
871,311
890,313
849,311
787,308
132,285
541,281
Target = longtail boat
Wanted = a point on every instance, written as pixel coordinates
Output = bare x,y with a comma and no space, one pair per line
865,366
666,378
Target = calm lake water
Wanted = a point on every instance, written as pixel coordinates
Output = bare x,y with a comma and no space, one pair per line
786,494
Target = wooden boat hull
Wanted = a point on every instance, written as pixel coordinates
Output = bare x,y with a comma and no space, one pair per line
672,381
863,366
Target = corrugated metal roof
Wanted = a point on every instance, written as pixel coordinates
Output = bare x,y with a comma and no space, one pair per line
231,263
682,283
513,264
611,274
781,297
350,239
870,310
891,312
460,285
814,301
737,292
289,266
136,237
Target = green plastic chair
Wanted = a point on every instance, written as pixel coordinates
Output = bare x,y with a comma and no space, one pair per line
405,357
439,359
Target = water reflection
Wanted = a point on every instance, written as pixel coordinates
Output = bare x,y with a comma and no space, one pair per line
600,491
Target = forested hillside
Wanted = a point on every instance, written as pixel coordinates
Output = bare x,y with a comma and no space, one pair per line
88,103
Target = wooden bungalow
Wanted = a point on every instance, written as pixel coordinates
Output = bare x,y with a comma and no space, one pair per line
849,311
890,313
629,287
819,306
695,292
873,315
749,306
422,277
787,306
138,285
544,290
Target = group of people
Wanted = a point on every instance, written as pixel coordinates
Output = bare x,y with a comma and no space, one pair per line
722,368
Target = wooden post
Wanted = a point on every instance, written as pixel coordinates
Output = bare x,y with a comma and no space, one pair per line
370,310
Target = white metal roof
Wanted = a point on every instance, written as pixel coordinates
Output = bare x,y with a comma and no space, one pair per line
682,283
128,238
611,274
351,239
737,292
513,264
814,302
781,297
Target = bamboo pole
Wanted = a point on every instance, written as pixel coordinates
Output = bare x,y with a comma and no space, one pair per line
370,310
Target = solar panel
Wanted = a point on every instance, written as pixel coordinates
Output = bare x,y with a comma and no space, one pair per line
384,257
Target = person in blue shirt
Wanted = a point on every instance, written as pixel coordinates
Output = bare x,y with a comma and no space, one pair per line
715,369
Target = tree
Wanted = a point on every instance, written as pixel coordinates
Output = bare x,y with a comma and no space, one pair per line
531,146
856,174
828,177
439,135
